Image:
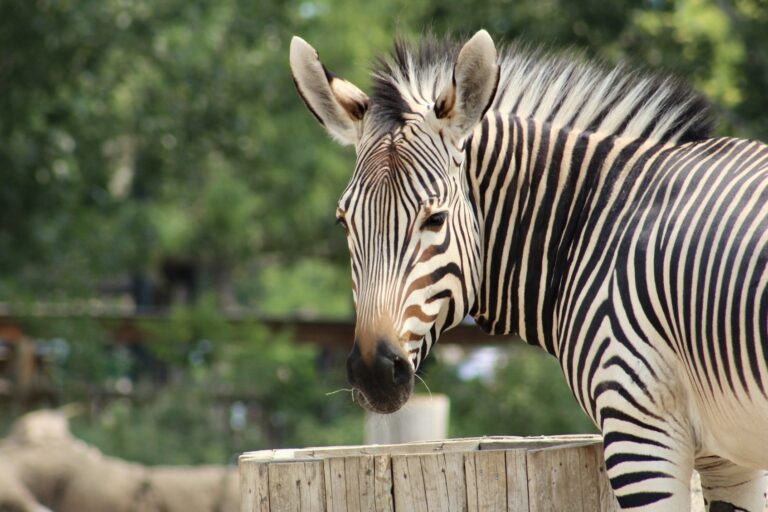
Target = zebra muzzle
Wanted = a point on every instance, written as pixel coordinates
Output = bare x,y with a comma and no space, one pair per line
384,380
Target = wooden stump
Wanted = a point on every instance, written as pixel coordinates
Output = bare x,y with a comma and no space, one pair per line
472,475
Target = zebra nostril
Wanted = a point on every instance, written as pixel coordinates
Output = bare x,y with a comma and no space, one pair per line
401,371
392,368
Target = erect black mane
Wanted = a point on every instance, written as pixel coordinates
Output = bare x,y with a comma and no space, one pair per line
589,95
406,62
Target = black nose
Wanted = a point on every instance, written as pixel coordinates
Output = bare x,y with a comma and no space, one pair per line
391,365
386,381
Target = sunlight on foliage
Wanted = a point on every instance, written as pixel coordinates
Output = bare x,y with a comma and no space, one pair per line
702,28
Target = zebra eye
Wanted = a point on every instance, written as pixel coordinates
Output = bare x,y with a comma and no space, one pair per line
342,222
435,221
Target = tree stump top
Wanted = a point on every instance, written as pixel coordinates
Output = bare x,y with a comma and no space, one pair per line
475,474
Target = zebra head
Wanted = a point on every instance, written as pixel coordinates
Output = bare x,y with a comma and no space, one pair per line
412,233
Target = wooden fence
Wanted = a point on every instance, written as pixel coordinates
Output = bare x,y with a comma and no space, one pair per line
24,374
129,327
482,474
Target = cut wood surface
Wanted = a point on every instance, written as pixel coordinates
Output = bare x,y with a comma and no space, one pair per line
467,475
443,446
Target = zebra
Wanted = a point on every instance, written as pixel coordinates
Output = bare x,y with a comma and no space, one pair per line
583,207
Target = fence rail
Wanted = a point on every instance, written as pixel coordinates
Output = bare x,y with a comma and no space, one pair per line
21,366
130,327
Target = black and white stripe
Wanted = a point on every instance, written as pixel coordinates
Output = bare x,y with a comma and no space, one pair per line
589,212
413,281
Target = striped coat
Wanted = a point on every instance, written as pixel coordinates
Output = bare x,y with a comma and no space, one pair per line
585,209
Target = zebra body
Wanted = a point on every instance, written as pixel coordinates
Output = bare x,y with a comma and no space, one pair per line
654,267
640,312
586,211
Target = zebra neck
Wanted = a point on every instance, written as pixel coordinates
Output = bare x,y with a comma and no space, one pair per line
530,185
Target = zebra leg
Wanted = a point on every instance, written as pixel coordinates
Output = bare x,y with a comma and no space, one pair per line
731,488
648,441
647,471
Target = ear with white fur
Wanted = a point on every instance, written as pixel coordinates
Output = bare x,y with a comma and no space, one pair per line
463,103
336,103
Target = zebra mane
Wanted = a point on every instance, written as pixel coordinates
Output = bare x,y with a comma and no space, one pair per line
561,88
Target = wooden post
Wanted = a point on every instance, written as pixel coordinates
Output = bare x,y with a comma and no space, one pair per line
481,474
24,371
423,418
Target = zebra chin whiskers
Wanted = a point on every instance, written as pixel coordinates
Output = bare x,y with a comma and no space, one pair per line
425,384
351,392
359,397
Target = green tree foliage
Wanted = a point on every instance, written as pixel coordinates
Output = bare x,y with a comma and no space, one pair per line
136,132
200,389
508,400
133,132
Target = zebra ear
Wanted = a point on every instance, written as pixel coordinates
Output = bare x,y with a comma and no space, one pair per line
463,103
336,103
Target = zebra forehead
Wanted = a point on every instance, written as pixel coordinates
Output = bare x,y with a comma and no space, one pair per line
394,156
381,197
382,188
399,165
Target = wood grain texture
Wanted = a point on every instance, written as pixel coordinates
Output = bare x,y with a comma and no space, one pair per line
285,486
366,482
401,481
545,472
443,446
352,482
417,484
254,487
400,484
587,468
470,476
435,484
512,474
517,479
491,480
382,484
335,485
455,481
568,477
312,487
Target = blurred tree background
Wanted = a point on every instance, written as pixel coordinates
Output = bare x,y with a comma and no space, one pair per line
155,156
